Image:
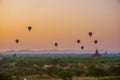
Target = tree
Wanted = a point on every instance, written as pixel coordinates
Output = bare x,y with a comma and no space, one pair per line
89,61
114,71
65,75
97,72
54,71
77,69
5,76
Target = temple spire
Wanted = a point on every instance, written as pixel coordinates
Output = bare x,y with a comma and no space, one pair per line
96,54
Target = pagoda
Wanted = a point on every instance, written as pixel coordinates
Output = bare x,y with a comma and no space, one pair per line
96,55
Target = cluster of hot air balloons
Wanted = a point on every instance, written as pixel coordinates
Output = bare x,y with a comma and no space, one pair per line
29,29
82,47
78,41
56,43
90,34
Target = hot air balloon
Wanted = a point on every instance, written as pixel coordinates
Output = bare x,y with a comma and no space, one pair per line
56,44
17,41
29,28
78,41
90,34
82,47
95,41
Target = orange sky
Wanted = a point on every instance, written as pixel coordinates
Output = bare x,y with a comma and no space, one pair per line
63,21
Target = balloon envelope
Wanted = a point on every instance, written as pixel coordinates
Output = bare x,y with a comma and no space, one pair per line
78,41
17,41
29,28
90,34
95,41
56,44
82,47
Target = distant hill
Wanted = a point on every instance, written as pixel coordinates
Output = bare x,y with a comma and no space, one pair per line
55,51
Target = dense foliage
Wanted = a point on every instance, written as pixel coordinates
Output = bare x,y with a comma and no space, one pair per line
5,76
64,68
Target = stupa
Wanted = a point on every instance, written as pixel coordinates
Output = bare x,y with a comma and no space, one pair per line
96,55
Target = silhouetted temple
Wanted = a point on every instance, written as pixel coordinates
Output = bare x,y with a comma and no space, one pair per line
96,55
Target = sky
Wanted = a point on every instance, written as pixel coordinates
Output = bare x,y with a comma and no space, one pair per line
62,21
